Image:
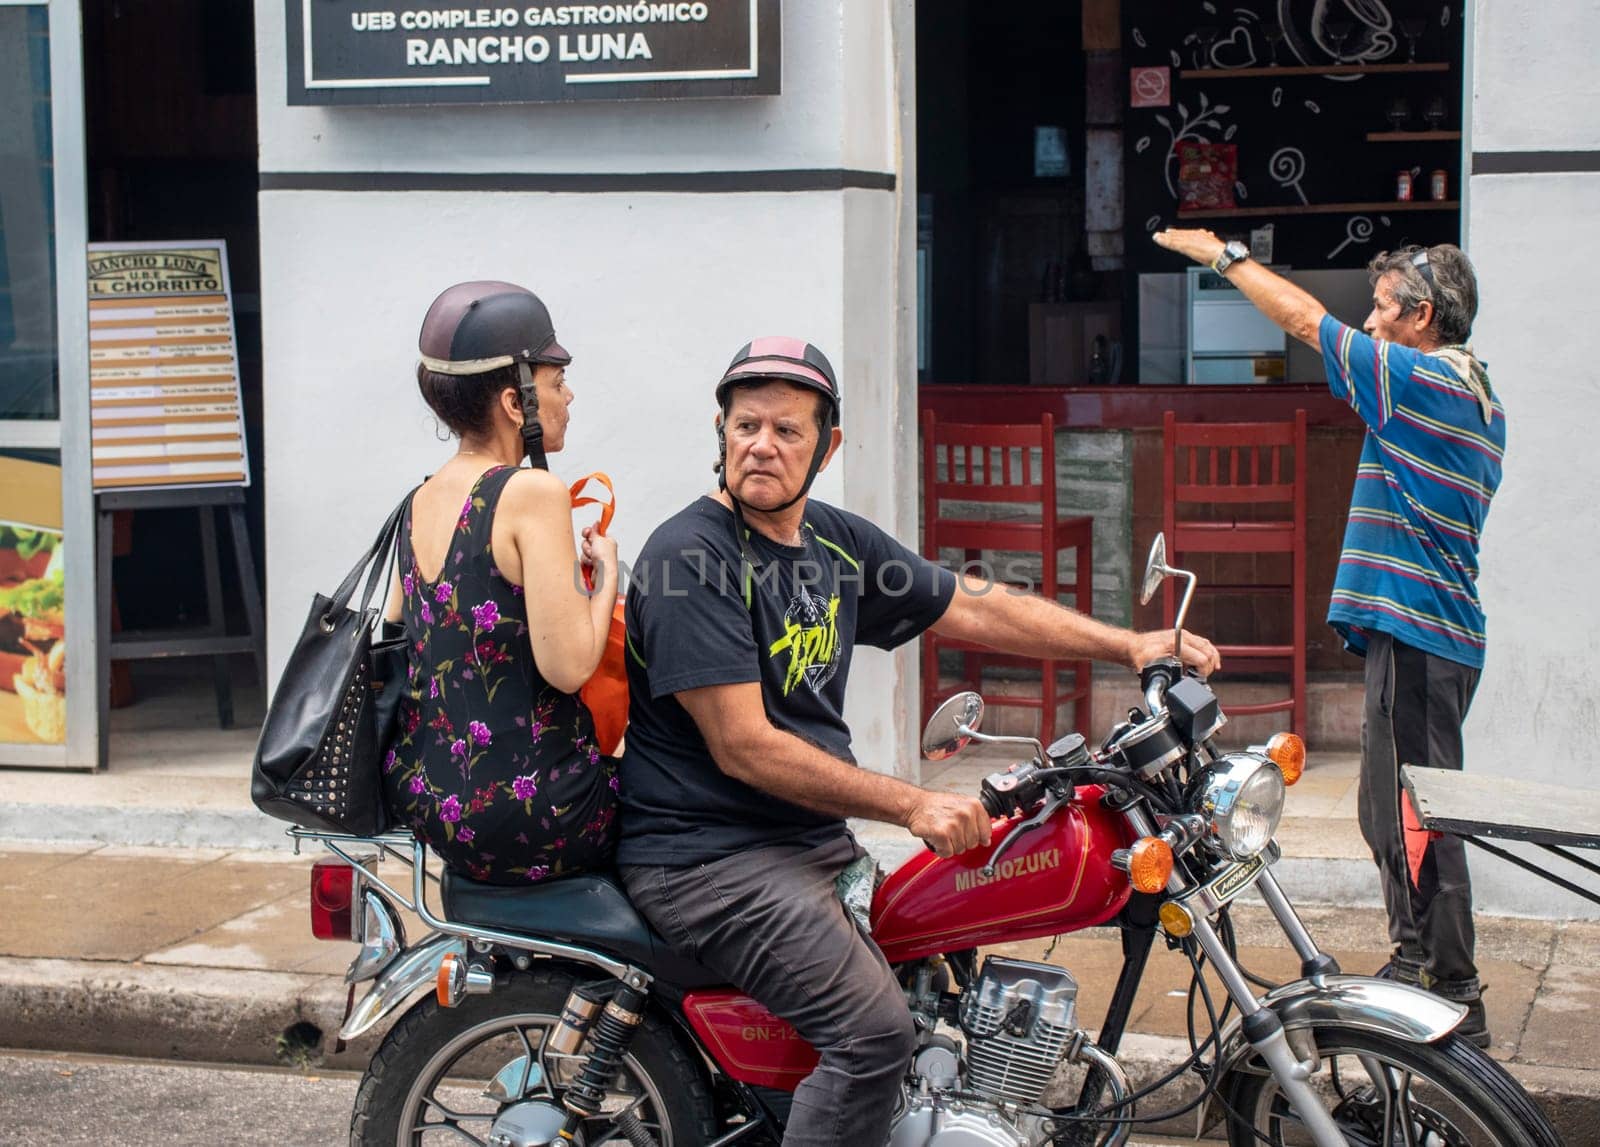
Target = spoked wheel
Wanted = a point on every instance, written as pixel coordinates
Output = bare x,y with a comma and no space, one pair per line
461,1075
1384,1092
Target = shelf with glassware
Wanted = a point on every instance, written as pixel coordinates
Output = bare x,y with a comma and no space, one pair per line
1322,209
1338,32
1308,70
1412,136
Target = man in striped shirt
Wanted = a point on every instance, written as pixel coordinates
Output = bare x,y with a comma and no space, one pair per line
1406,596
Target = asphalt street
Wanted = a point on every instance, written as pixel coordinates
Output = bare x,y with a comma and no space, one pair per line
86,1101
77,1101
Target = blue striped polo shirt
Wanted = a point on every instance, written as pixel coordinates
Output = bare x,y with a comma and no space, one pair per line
1429,467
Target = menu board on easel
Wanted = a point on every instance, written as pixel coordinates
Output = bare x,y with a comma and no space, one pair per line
164,367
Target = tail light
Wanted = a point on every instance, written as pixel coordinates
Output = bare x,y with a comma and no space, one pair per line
333,889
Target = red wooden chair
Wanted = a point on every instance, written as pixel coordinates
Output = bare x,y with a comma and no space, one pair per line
1003,468
1252,476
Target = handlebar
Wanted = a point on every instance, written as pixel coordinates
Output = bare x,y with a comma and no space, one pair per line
1011,791
1155,679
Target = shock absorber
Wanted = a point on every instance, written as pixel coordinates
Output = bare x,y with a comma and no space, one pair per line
609,1038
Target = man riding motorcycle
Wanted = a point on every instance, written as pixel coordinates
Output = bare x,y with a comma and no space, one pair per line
737,776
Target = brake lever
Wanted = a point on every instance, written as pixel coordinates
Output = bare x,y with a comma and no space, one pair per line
1046,811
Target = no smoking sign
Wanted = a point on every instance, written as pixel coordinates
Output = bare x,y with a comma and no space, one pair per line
1151,87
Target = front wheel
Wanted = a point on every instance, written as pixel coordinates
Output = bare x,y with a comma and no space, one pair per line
480,1070
1385,1092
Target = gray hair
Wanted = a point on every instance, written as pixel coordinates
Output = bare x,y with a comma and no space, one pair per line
1453,290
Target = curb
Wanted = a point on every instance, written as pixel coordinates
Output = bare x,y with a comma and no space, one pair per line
176,1013
238,1017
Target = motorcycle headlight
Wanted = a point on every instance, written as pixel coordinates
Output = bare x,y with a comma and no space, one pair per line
1244,801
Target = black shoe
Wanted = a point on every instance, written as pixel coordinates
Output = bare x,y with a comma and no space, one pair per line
1475,1027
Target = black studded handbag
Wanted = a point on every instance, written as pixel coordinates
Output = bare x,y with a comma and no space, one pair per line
318,760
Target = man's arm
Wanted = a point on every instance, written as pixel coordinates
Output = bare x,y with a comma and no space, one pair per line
748,748
1292,308
1031,626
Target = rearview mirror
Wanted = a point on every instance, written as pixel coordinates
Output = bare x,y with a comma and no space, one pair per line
1156,569
952,725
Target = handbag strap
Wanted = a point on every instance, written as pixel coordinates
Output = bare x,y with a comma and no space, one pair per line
372,561
607,509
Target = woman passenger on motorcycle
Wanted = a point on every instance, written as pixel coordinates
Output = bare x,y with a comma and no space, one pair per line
495,763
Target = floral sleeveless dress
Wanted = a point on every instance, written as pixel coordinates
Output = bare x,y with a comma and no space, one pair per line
496,769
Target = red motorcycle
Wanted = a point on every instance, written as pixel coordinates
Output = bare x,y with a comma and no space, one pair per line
553,1014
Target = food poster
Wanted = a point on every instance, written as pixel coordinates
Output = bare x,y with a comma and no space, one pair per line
33,649
164,367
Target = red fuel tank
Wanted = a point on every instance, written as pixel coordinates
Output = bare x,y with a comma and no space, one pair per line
750,1043
1055,879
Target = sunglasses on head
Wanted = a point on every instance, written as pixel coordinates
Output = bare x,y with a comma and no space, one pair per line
1420,262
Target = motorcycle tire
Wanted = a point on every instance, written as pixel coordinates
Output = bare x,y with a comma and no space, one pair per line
429,1040
1458,1097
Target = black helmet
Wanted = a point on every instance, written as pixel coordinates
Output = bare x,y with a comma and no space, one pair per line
477,327
786,359
473,328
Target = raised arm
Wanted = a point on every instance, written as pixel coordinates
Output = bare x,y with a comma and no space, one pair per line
1292,308
567,628
1029,625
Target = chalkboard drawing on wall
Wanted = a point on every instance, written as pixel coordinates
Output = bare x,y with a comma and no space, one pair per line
1189,129
1312,144
1206,175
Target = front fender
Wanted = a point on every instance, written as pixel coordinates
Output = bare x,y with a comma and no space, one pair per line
411,971
1362,1002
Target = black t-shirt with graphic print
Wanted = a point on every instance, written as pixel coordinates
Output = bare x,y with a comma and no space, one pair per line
790,619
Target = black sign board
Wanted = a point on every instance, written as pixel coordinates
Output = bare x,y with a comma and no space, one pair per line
416,52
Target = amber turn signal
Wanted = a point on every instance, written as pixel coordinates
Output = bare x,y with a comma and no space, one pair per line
1149,864
1288,752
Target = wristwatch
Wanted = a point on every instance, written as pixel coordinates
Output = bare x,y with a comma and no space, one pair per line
1233,252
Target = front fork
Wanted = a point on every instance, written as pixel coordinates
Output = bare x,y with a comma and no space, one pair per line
1260,1025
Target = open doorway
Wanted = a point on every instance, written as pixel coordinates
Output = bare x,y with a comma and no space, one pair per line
170,110
1054,139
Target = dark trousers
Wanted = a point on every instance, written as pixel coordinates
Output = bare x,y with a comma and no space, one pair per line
769,921
1415,703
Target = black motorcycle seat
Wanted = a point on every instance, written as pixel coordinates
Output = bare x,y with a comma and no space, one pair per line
590,911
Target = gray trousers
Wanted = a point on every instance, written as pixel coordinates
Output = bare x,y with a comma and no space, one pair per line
769,921
1415,703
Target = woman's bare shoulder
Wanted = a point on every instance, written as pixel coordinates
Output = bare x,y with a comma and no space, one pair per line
535,491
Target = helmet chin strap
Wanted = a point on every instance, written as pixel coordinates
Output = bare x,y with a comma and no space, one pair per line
532,432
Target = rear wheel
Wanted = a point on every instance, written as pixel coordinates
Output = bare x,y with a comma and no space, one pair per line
446,1075
1384,1092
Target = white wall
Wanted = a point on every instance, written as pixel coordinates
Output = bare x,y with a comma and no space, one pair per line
652,293
1535,240
1536,84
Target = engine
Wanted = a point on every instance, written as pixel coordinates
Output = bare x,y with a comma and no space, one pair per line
1019,1022
1018,1018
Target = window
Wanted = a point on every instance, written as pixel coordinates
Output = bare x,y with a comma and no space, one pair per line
29,387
